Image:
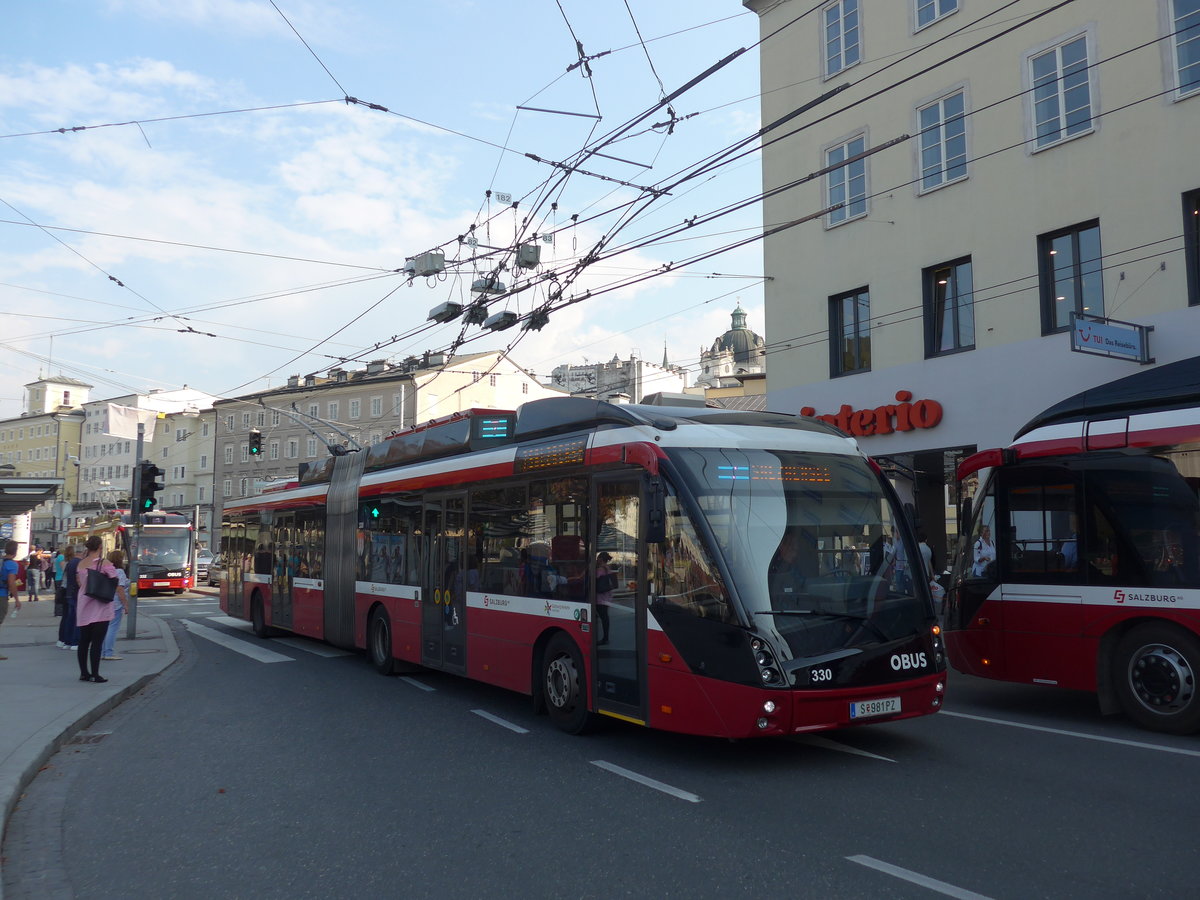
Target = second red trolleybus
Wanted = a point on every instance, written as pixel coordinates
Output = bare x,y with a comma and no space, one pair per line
696,570
1092,577
166,546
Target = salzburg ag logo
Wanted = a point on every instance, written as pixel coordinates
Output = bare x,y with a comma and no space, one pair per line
1119,596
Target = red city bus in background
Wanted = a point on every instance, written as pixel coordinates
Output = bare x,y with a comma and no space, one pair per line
690,569
165,550
1095,517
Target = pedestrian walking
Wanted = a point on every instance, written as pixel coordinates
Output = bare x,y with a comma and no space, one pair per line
92,614
68,630
109,647
33,576
10,586
60,563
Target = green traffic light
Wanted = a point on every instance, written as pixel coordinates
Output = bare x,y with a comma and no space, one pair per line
375,512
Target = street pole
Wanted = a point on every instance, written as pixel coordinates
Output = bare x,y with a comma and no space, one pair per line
135,495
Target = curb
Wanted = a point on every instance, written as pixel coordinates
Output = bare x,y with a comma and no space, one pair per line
61,730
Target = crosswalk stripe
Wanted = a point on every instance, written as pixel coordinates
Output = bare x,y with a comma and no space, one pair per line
307,646
261,654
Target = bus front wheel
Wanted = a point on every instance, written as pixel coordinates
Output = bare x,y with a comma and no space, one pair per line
1157,666
564,685
379,643
258,621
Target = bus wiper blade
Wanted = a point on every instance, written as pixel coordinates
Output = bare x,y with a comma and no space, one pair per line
811,612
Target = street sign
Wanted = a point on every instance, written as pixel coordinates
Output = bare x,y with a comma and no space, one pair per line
1108,337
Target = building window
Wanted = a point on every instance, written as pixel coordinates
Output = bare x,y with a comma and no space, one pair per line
204,430
1070,269
227,488
200,498
943,141
310,449
355,408
846,186
1191,243
333,410
229,455
293,448
929,11
1062,93
242,487
245,453
1185,24
949,308
376,407
203,461
273,450
312,410
229,421
840,36
274,418
246,420
850,332
260,419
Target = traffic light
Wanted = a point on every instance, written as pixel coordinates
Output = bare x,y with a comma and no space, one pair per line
255,442
149,485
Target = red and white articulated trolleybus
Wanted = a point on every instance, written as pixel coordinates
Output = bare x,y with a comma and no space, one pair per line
690,569
165,549
1096,528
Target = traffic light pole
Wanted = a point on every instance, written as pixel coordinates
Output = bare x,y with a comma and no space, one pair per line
136,511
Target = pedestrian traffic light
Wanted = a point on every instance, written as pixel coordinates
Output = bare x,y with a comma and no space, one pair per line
148,485
255,442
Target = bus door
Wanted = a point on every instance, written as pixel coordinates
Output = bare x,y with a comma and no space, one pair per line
283,538
618,611
974,614
443,593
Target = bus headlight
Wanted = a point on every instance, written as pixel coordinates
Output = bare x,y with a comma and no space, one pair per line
769,707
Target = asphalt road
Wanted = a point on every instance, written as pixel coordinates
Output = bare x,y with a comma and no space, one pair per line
311,776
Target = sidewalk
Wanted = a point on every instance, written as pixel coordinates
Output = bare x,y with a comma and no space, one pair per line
43,704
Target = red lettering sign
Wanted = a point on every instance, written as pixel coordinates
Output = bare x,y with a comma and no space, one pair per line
904,415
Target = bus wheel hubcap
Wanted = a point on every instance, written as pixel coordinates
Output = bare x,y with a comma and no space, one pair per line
559,678
1161,678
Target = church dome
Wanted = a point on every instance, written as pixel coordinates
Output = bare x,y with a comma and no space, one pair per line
746,346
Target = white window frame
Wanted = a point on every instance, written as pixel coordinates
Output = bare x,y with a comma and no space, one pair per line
1171,52
245,420
1087,35
842,64
919,144
939,12
273,450
354,408
376,407
311,447
293,448
229,454
842,216
314,410
227,487
331,410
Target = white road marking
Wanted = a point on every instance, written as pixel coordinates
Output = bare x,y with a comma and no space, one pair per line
925,881
648,782
499,721
1141,745
312,647
261,654
416,684
815,740
299,643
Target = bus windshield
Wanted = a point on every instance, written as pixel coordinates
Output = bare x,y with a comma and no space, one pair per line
169,549
812,543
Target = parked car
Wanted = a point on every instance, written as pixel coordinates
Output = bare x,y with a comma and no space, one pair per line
204,557
216,571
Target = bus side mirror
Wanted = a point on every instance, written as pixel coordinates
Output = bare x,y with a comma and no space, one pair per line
656,510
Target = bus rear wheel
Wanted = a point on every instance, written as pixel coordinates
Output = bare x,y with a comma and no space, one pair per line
564,685
379,643
1157,666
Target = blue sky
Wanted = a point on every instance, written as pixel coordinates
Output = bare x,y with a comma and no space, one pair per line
185,243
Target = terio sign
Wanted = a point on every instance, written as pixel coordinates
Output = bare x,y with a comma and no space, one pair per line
904,415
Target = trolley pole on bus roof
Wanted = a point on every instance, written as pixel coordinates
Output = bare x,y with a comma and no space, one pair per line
135,503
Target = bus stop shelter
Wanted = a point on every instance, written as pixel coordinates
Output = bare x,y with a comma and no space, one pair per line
22,495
